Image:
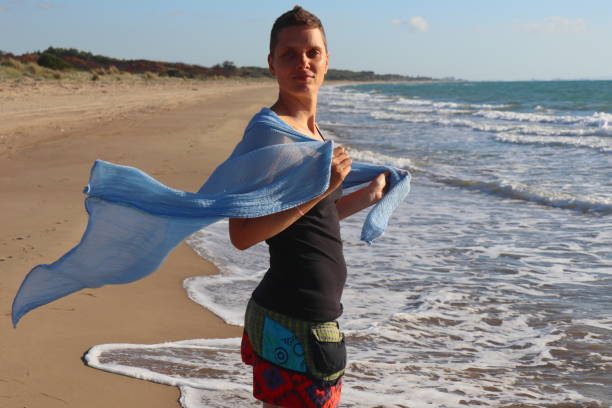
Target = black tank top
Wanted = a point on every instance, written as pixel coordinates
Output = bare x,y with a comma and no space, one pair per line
307,270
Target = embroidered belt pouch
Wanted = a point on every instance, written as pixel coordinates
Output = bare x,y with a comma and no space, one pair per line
316,349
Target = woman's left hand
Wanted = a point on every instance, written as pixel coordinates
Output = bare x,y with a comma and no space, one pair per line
364,197
378,187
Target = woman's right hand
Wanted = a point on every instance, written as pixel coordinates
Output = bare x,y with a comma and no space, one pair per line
340,168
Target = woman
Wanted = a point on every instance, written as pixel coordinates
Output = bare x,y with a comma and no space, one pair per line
291,336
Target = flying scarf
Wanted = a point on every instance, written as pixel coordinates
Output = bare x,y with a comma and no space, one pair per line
135,221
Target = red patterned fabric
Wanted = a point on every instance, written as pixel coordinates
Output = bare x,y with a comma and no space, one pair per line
286,389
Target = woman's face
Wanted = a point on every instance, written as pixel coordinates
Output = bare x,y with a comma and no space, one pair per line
299,61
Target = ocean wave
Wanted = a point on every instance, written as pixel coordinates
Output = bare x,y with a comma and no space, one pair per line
335,97
518,191
500,188
339,102
340,98
481,126
347,109
418,101
354,99
348,125
379,158
598,119
594,143
429,109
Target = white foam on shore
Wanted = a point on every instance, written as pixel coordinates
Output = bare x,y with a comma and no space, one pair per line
606,325
183,361
208,372
226,293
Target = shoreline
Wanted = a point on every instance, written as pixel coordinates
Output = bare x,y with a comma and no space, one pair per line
174,133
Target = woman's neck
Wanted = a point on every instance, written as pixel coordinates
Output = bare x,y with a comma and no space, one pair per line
299,113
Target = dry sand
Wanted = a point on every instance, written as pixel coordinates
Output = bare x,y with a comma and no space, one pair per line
50,133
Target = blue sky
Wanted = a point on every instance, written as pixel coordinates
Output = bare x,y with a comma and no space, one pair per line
469,39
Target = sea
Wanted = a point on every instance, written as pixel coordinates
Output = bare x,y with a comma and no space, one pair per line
492,285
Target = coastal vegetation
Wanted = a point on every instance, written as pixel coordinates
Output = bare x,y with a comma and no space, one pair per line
61,63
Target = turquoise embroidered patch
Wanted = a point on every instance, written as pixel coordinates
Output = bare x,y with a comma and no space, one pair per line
282,347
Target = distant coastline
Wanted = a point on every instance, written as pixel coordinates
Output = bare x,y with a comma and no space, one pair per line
66,63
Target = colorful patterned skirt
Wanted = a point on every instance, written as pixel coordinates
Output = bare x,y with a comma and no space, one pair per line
284,388
296,364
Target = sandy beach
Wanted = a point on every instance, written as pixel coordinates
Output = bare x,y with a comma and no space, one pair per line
50,133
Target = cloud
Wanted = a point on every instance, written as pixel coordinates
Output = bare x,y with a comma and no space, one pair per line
416,24
554,25
44,5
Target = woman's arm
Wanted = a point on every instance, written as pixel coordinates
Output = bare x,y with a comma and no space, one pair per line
246,232
362,198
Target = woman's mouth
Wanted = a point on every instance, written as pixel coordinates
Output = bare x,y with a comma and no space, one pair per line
303,77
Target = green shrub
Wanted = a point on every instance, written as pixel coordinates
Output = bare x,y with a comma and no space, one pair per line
52,62
175,73
85,55
13,63
35,69
9,72
149,76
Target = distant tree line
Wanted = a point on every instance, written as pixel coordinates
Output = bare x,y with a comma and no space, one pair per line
63,59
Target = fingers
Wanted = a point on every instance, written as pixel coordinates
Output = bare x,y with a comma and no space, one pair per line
341,155
381,183
341,166
378,187
340,151
342,161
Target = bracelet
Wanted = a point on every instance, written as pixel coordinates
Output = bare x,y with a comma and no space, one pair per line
300,211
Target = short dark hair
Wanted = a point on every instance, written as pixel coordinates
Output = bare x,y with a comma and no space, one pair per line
295,17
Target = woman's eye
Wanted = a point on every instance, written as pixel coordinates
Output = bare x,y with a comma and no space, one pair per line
314,53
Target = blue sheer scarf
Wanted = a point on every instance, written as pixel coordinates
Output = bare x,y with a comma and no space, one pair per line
135,221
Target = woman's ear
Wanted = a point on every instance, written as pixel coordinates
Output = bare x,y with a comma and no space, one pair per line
270,65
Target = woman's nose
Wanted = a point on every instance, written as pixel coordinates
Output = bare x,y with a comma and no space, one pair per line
303,61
